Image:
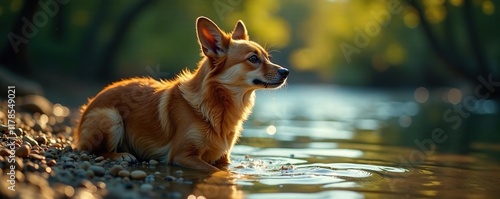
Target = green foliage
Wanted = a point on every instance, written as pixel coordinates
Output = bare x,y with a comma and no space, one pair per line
306,36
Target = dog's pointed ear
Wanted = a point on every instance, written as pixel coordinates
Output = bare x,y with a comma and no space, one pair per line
213,41
240,31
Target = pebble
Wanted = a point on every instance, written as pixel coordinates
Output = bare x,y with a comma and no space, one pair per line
4,152
146,187
85,165
80,173
138,175
41,140
68,148
123,173
30,166
100,185
98,159
115,169
84,156
51,163
30,140
36,156
23,151
149,179
56,145
153,162
124,163
68,165
179,172
90,174
98,170
19,131
169,178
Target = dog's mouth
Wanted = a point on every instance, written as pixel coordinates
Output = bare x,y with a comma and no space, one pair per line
268,84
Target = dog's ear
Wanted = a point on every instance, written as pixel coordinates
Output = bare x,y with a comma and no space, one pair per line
213,41
240,31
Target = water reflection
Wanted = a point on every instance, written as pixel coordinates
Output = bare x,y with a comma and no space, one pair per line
329,142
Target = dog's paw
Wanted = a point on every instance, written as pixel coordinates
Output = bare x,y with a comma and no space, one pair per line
120,157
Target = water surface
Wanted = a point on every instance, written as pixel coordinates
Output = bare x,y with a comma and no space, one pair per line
331,142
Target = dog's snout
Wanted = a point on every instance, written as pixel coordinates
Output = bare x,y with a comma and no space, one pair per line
283,72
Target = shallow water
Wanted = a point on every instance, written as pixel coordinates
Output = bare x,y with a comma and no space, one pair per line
329,142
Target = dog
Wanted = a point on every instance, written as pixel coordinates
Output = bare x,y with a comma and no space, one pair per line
193,120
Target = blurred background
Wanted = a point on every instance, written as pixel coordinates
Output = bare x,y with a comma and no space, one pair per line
391,71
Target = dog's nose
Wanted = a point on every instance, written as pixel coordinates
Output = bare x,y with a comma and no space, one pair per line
283,72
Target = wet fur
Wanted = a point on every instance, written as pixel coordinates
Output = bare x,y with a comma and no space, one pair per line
193,120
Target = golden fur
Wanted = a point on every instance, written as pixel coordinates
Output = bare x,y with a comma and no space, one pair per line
193,120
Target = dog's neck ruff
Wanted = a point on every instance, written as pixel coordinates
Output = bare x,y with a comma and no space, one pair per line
224,107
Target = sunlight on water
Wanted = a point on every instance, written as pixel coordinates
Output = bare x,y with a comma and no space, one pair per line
344,143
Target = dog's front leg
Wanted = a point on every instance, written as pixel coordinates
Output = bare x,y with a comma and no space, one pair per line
194,162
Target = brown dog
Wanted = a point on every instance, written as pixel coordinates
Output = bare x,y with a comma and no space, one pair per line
193,120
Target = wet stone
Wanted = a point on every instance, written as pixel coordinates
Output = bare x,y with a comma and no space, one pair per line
68,149
115,169
80,173
169,178
36,157
51,163
56,145
23,151
98,159
42,140
98,170
153,162
100,185
19,132
124,163
68,165
138,175
4,152
30,140
85,165
84,157
30,166
150,178
123,173
90,174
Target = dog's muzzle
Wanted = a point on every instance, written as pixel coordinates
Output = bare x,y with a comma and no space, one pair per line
273,80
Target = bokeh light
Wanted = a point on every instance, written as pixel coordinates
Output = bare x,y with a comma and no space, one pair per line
454,96
421,94
488,7
271,130
411,19
405,121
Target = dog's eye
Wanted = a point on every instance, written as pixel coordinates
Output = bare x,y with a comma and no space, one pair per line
254,59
